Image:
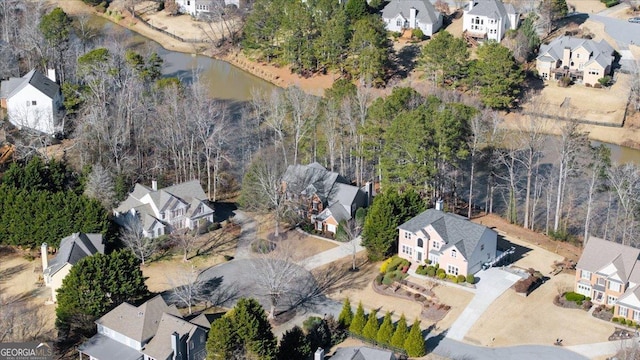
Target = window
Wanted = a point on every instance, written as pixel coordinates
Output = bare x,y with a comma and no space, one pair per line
614,286
601,281
623,311
586,275
435,245
636,315
399,22
611,300
34,103
577,56
481,247
407,235
452,270
407,250
454,253
188,3
420,243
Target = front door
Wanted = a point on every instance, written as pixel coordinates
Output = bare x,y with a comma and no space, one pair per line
419,256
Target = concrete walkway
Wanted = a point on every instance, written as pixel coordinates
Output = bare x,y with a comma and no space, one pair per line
331,255
491,284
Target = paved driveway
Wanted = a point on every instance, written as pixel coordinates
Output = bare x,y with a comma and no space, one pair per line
491,284
458,350
622,31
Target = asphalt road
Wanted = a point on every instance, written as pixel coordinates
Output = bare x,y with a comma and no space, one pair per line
622,31
458,350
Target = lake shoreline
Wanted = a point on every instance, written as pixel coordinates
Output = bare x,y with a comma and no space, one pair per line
627,136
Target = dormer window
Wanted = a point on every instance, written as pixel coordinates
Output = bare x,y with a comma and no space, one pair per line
399,22
454,253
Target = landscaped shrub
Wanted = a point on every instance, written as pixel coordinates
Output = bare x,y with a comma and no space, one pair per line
629,322
462,278
452,278
405,268
385,265
346,315
442,275
614,319
421,270
431,270
370,330
440,271
262,246
379,279
471,279
417,33
397,263
359,320
597,86
575,297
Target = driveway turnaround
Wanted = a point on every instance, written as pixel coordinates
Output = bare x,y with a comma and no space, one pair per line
602,349
491,284
457,350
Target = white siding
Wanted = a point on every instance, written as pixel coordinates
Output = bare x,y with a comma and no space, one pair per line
485,251
40,116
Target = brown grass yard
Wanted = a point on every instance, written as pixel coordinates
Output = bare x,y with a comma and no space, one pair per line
514,320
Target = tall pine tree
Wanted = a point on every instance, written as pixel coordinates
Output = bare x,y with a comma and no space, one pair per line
414,344
386,330
359,321
346,315
370,330
397,340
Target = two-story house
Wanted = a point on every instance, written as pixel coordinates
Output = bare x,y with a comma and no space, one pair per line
582,60
72,249
33,101
197,8
458,245
489,19
324,197
609,273
181,206
399,15
151,331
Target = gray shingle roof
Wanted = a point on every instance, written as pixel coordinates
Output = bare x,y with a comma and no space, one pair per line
426,13
73,248
455,230
160,346
138,323
601,52
33,77
336,210
103,347
493,9
600,253
362,353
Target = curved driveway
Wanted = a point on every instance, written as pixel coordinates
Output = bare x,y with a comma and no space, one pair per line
458,350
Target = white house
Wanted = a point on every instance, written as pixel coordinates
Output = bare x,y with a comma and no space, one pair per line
181,206
489,19
153,330
198,7
400,15
72,249
33,101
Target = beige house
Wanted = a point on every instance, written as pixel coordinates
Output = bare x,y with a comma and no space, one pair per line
458,245
609,274
72,249
151,331
583,60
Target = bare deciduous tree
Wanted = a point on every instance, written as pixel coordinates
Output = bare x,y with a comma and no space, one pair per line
303,111
186,239
133,237
348,231
16,326
100,186
187,287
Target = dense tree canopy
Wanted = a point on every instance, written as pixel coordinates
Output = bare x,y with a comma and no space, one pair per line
445,58
317,35
243,332
389,210
496,76
42,202
95,285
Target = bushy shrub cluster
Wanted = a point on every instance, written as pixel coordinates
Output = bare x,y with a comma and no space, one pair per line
575,297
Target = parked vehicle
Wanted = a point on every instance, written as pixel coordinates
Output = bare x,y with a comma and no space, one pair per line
634,20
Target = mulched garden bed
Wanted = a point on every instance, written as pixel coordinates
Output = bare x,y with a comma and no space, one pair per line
602,313
560,301
432,309
621,334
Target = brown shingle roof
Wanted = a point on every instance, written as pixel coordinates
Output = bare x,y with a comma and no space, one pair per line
600,253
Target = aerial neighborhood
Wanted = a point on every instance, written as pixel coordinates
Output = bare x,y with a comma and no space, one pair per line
320,180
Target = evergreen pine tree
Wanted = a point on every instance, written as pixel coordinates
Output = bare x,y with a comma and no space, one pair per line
414,343
370,330
359,320
346,315
294,345
223,339
386,330
397,340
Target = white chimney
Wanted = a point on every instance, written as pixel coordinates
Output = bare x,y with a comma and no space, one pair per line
154,185
175,345
44,252
51,74
471,3
319,354
412,17
439,205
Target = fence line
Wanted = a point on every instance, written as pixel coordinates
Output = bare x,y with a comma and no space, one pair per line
190,41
